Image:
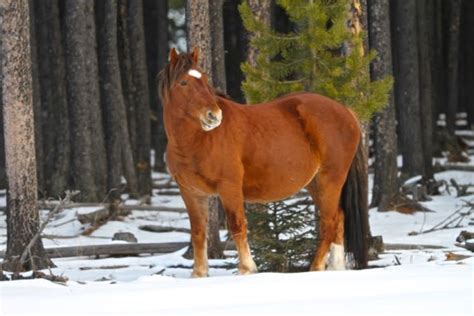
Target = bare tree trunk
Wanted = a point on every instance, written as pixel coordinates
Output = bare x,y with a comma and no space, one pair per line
198,23
261,10
128,116
385,167
141,95
99,157
37,106
407,86
467,67
453,63
425,57
236,49
156,30
126,72
78,53
18,120
217,44
55,120
111,93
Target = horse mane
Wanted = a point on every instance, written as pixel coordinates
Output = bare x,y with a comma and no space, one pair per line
172,72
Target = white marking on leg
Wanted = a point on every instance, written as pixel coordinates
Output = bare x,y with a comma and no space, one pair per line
337,257
194,73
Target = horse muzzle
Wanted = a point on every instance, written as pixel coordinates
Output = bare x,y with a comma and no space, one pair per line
211,120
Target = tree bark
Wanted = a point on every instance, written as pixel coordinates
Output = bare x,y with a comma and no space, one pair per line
156,31
407,86
78,52
467,67
99,157
235,38
116,130
126,72
385,138
37,106
425,57
55,120
217,44
141,95
452,57
18,120
198,24
262,10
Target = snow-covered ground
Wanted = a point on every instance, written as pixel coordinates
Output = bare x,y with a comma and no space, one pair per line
402,282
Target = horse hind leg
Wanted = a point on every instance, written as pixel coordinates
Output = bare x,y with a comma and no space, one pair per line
325,190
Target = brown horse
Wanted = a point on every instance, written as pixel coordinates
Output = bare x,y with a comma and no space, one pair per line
262,153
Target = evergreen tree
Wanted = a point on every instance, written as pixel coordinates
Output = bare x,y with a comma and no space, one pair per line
282,236
315,56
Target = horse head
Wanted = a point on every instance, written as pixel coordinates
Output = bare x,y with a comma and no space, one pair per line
184,91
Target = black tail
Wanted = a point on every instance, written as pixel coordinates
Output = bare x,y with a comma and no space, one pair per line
354,202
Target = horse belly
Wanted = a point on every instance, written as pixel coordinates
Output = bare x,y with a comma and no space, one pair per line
275,176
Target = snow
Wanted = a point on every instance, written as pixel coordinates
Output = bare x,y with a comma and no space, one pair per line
400,282
410,290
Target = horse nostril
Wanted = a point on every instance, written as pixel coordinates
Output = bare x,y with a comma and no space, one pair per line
211,116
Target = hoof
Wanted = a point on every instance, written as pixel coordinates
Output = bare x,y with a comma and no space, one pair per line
246,270
199,274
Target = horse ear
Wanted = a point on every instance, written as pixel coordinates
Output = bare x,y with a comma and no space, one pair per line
195,55
173,56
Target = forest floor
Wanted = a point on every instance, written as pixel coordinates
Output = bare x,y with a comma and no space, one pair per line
420,281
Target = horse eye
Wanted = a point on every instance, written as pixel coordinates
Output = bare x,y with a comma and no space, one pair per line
183,82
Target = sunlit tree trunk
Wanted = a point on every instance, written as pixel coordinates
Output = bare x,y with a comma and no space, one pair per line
18,119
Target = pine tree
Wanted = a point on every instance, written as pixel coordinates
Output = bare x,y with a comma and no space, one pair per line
282,236
315,56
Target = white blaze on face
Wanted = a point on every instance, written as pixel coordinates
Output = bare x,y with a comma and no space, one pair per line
194,73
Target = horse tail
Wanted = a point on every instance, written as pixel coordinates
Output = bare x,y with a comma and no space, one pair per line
354,202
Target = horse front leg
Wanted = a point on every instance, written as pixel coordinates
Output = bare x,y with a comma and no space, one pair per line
233,202
197,207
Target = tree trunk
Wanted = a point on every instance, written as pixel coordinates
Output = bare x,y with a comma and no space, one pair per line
129,119
99,157
385,138
425,56
407,86
454,10
141,95
37,106
198,24
217,44
262,11
235,38
78,54
126,72
55,121
467,67
3,175
18,119
156,31
111,93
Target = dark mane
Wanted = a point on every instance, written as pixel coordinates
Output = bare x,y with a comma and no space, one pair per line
171,73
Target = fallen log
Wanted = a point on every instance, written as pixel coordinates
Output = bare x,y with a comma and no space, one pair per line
452,166
163,229
391,247
125,249
467,245
53,204
94,217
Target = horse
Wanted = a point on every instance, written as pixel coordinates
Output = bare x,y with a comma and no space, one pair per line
261,153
